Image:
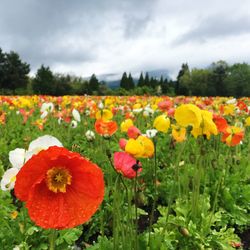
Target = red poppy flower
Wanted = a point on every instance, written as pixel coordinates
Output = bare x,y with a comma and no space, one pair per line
242,106
126,165
165,105
221,123
105,128
61,188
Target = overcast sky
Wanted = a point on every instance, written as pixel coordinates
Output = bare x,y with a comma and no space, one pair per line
112,36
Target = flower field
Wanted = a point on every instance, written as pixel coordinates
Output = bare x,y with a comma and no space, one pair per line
148,172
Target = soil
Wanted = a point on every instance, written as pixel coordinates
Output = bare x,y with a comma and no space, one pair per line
245,238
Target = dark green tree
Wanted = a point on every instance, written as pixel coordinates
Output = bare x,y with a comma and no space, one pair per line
146,80
179,89
15,72
62,84
219,73
153,82
2,62
93,84
44,82
164,85
130,82
124,81
140,81
238,80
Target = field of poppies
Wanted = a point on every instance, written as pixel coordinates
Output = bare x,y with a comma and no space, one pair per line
151,172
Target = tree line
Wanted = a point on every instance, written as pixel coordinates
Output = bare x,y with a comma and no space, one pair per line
219,79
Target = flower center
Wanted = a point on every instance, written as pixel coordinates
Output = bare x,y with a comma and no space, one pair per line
57,179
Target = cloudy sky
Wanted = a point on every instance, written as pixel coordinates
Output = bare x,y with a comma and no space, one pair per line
112,36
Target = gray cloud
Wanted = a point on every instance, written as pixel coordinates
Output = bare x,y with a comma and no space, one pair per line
218,26
111,36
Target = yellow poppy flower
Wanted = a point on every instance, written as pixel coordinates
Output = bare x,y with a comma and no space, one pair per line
207,126
137,106
105,115
229,109
142,147
125,125
178,133
134,148
188,114
149,148
162,123
247,121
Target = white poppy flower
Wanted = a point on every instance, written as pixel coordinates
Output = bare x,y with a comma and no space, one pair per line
231,101
90,135
60,120
47,106
151,133
41,143
149,110
17,157
100,105
9,178
137,111
44,114
76,115
73,124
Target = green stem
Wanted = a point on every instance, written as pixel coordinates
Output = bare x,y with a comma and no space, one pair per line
171,196
155,196
52,239
136,212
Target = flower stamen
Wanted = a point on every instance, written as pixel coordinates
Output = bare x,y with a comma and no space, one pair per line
57,179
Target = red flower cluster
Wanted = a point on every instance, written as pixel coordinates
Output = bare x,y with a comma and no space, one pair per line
61,188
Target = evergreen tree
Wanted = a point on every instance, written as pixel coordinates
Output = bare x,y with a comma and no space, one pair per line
93,84
124,81
219,73
164,85
140,81
2,73
62,84
161,81
44,81
179,90
130,82
153,82
146,81
14,71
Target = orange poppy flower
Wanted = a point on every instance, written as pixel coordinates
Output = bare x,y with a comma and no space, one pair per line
105,128
233,135
61,188
2,117
179,133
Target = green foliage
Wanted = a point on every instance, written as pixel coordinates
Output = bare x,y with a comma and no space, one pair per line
13,72
44,81
93,84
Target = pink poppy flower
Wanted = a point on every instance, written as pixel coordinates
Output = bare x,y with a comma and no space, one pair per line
126,165
122,143
133,132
